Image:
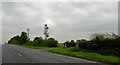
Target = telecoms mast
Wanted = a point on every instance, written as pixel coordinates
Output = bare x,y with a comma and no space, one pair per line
46,31
28,33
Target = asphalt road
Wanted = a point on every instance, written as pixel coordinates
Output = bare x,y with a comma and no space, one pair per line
18,54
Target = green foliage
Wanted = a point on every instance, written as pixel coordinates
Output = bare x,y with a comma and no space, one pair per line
51,42
23,37
38,41
70,44
28,43
107,44
14,40
74,49
87,55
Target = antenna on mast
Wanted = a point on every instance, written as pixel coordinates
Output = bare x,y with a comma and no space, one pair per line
28,33
46,31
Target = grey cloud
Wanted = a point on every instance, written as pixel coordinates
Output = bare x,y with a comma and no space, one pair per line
0,22
67,20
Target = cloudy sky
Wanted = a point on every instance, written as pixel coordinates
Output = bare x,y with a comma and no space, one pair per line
66,20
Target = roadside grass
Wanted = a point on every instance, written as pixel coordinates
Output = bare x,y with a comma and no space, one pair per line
113,60
32,47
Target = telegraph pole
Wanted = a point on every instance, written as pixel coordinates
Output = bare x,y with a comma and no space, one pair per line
46,31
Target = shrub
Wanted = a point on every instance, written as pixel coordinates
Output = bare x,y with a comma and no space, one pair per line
74,49
51,42
29,43
107,44
70,44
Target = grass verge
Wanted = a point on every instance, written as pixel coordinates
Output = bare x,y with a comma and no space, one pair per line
87,55
32,47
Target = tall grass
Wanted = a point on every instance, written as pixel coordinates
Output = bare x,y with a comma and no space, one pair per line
86,55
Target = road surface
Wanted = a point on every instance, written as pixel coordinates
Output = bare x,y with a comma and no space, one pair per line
18,54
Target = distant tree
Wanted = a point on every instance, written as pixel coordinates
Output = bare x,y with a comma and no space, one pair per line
38,38
23,37
77,43
14,40
38,41
29,43
66,44
52,42
73,44
70,44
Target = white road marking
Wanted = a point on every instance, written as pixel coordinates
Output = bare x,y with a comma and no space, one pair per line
9,47
19,54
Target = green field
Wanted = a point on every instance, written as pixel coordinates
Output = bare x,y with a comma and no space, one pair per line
87,55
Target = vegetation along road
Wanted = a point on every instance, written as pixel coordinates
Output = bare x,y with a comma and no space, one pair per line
18,54
101,48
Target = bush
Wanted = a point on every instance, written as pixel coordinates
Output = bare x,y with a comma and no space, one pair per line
23,37
51,42
29,43
107,44
74,49
14,40
110,51
38,41
70,44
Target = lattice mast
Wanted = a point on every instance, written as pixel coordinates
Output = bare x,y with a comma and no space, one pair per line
46,31
28,33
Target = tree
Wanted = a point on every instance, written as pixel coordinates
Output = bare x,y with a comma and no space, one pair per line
50,42
70,44
73,44
38,41
23,37
77,43
14,40
66,44
38,38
